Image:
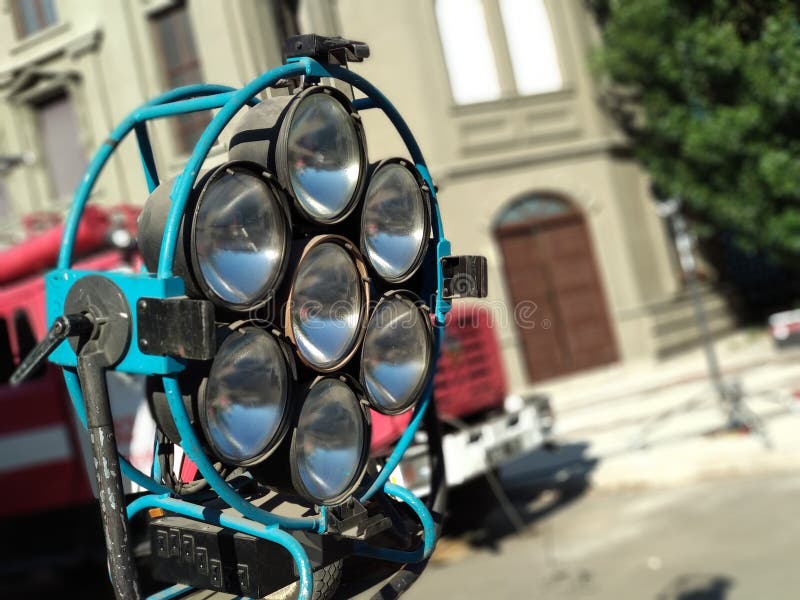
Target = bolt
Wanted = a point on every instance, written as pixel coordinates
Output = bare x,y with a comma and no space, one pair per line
144,343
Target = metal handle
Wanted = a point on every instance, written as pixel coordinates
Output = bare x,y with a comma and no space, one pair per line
63,327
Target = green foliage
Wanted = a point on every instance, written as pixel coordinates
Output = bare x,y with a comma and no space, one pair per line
709,92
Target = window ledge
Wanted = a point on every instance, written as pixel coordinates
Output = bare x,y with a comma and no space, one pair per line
40,37
510,102
47,43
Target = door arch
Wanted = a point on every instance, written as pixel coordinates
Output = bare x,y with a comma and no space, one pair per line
560,309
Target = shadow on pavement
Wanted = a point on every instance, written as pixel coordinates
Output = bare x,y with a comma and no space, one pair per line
534,486
697,587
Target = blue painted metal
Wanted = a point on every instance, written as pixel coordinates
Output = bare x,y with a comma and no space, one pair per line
183,184
103,153
442,306
362,104
323,519
181,107
175,591
191,446
155,467
146,154
134,286
428,532
425,517
270,533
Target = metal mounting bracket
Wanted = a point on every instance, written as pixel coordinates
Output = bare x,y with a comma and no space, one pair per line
464,277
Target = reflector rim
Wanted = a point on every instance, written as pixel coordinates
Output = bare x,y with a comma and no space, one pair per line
286,416
363,309
361,468
426,217
282,152
426,318
266,291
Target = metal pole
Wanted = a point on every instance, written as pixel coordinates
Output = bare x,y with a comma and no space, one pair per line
684,243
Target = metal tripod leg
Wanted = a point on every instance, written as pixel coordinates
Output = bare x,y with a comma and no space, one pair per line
739,414
653,423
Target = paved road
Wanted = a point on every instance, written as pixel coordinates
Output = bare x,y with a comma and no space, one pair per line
735,538
728,539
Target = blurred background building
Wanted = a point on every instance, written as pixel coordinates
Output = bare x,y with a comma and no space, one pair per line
531,172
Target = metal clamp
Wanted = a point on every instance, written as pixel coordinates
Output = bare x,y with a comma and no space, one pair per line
331,50
464,277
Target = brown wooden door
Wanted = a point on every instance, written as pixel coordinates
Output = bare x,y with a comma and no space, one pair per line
560,308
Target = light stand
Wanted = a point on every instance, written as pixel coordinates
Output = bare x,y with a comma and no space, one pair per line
729,394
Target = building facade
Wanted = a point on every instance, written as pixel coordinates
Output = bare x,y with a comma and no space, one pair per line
70,70
498,93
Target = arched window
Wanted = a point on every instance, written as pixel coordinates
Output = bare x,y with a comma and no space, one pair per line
532,207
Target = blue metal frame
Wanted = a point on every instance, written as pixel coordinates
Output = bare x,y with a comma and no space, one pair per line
163,284
134,286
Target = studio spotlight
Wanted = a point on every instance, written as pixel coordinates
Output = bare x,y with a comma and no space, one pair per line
326,312
395,221
397,356
240,401
234,238
314,142
327,446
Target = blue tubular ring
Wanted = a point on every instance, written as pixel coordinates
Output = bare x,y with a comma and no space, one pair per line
230,101
175,591
180,195
204,92
101,156
215,517
428,532
171,103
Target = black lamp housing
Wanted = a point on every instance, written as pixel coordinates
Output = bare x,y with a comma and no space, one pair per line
263,136
273,471
153,219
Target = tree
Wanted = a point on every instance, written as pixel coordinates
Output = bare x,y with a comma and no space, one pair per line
709,93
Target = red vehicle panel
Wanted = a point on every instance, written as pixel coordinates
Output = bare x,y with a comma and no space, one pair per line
41,461
470,376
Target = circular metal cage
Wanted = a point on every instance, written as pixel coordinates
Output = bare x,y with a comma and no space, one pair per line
254,520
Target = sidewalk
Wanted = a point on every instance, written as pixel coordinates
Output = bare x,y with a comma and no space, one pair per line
610,410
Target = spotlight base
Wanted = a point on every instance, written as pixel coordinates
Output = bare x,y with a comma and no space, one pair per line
351,520
207,556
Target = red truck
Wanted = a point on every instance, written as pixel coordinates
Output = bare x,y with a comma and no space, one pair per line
483,425
42,450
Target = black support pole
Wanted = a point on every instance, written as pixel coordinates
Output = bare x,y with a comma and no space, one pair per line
91,371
